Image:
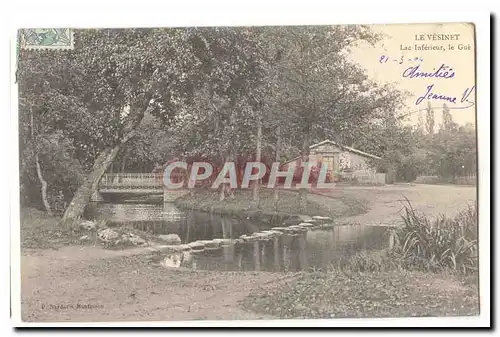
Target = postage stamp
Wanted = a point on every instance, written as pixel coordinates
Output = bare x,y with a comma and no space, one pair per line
46,38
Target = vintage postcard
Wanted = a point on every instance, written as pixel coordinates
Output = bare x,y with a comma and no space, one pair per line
247,173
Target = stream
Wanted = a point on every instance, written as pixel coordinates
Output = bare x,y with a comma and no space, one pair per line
313,249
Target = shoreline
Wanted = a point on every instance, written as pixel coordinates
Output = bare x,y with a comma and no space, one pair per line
242,206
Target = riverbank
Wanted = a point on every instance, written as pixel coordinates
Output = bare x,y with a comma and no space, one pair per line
242,206
42,231
92,284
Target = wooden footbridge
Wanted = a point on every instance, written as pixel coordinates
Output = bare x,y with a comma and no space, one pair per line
136,184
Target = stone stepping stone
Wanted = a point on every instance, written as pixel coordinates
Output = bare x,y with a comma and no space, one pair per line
306,224
170,239
248,238
293,232
224,242
210,244
324,218
291,222
273,233
262,236
279,229
197,245
298,229
171,248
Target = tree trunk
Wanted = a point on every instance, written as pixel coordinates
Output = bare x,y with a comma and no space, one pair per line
39,169
124,160
222,194
258,155
229,154
90,184
44,186
104,160
305,159
225,188
276,194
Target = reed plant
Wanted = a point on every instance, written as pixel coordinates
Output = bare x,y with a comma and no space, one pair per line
442,243
427,244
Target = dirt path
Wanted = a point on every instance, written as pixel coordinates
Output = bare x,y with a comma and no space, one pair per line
92,284
386,202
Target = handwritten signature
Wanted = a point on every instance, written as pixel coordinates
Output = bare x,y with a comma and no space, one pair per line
464,100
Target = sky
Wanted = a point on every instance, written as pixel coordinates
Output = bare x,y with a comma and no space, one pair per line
394,59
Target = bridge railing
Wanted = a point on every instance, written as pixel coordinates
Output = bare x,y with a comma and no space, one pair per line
135,180
131,180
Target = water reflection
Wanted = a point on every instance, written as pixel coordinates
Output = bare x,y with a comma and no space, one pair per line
316,249
168,219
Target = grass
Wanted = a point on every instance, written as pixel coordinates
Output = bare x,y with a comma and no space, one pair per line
381,294
356,205
242,204
470,180
129,229
41,231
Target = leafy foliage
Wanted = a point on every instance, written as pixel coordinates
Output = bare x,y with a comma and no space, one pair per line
61,170
429,119
98,93
450,153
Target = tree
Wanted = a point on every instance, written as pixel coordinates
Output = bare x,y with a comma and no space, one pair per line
98,93
429,119
420,124
447,124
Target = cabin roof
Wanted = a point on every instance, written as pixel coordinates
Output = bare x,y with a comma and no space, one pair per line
345,148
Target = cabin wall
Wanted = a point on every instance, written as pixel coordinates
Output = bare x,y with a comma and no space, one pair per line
351,165
355,162
328,154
